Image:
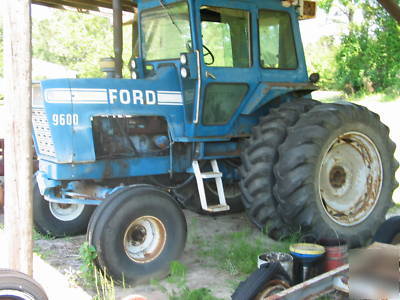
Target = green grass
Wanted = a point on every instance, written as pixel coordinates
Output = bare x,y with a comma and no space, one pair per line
180,290
237,252
360,97
374,97
38,236
43,254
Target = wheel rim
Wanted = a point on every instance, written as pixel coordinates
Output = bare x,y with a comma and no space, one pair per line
66,212
350,178
144,239
15,295
273,287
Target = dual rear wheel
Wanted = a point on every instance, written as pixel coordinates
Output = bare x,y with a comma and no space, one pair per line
329,173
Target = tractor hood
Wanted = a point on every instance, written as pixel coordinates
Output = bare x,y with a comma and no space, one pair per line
65,114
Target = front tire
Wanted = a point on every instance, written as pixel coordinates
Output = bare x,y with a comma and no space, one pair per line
59,220
335,174
137,233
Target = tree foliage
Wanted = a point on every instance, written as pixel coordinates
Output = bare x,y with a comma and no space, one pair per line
75,40
368,58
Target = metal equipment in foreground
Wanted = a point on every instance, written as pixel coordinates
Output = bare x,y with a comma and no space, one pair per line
219,97
335,280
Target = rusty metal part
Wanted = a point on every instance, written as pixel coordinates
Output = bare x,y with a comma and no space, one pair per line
144,239
350,178
272,287
317,286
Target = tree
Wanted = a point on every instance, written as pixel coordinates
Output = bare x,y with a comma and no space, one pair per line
368,58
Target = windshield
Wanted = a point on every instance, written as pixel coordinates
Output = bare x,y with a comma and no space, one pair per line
166,31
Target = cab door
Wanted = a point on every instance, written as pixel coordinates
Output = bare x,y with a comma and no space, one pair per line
228,75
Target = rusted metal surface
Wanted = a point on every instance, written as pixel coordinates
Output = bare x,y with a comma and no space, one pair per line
316,287
273,287
127,5
351,155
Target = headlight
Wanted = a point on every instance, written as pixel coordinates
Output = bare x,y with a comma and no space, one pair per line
134,75
184,59
184,72
133,64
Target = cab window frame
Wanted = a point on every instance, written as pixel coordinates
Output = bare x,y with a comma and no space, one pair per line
142,34
250,37
259,39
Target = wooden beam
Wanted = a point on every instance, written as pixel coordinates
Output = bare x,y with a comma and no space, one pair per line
392,8
18,143
127,5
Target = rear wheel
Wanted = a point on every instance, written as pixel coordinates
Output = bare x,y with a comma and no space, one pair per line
18,286
258,160
137,233
335,174
389,231
58,219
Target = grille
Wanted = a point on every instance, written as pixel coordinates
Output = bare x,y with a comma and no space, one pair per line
42,132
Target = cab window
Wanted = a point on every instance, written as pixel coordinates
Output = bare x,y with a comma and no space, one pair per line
276,40
226,37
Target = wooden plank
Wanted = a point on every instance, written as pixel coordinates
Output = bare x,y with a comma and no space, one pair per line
18,143
127,5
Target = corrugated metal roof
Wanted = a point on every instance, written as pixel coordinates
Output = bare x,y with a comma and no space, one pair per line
127,5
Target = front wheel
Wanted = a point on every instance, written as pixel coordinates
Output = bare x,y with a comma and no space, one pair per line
335,174
59,220
137,233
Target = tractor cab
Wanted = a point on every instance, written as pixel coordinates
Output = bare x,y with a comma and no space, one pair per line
232,58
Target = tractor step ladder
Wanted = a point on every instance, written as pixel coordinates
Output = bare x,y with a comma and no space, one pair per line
214,174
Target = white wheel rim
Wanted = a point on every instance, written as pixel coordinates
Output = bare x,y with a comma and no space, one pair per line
145,239
66,212
350,178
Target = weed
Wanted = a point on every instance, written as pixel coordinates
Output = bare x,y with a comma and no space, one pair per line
93,277
1,226
88,254
237,252
105,288
177,273
197,294
182,291
43,254
38,236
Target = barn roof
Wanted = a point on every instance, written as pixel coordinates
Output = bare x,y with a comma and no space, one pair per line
127,5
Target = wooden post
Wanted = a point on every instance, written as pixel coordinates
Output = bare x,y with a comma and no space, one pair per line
18,142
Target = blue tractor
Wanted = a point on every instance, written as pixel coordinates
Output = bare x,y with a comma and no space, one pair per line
217,116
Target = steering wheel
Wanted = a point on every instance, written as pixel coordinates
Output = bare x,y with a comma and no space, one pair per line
208,53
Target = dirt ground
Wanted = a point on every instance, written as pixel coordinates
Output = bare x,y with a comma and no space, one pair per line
202,272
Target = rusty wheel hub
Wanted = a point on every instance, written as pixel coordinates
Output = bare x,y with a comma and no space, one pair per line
144,239
350,178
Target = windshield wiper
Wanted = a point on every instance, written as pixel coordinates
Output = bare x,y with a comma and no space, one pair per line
169,15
